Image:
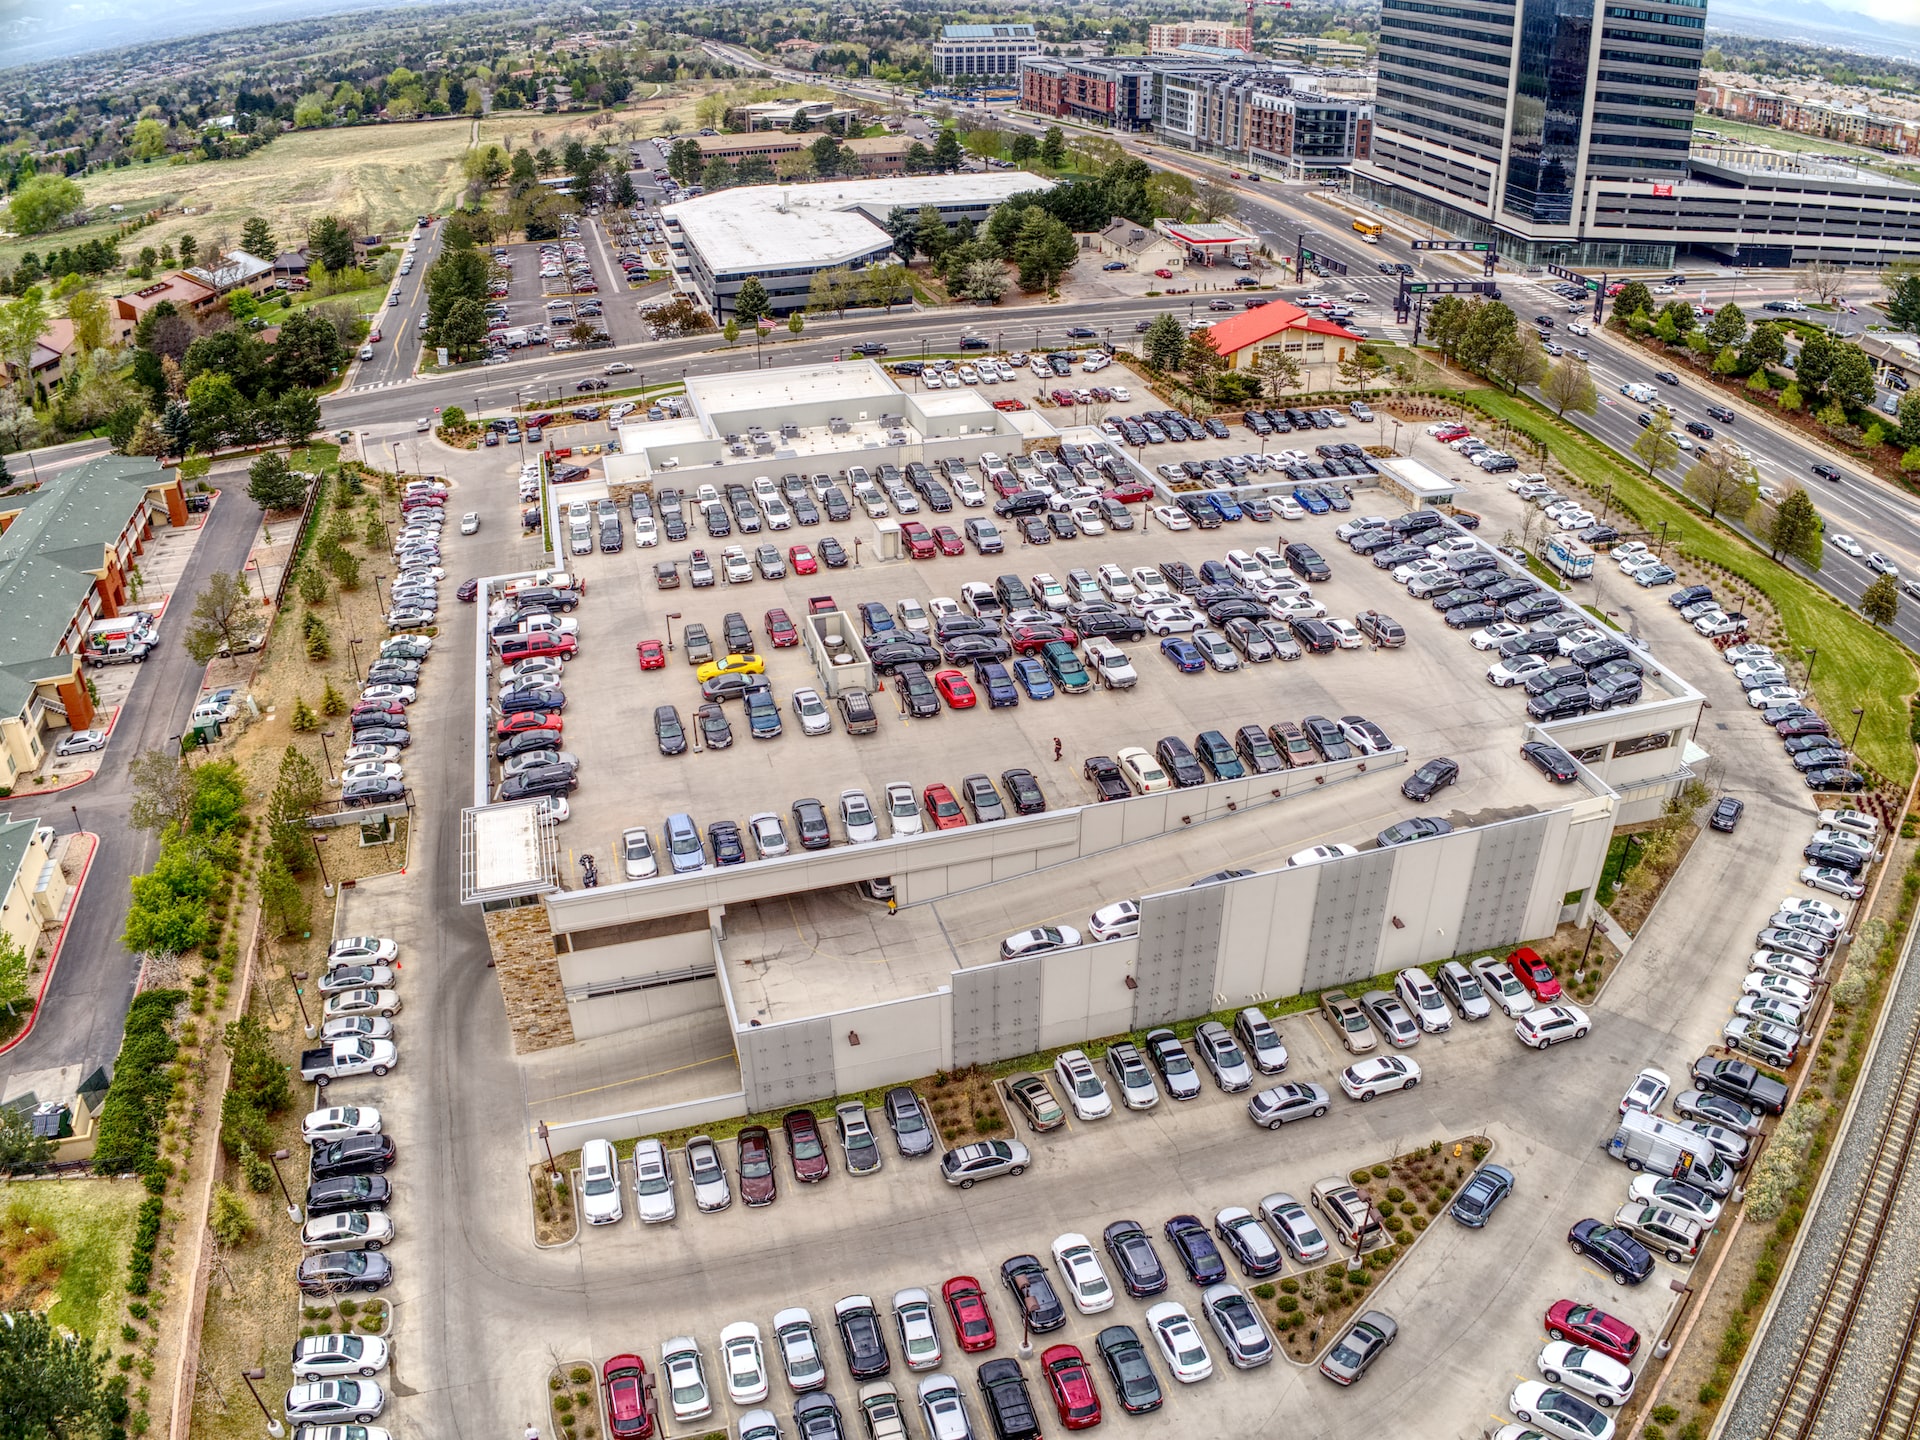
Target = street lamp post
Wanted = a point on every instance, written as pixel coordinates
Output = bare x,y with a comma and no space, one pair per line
274,1427
325,754
1812,652
353,655
378,594
76,818
299,978
1859,719
1661,549
672,615
326,885
547,1141
274,1158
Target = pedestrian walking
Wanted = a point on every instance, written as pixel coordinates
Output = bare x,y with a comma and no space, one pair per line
1056,747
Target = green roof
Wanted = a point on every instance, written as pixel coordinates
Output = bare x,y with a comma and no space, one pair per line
15,836
49,553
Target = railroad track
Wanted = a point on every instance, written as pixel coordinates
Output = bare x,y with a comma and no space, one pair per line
1800,1400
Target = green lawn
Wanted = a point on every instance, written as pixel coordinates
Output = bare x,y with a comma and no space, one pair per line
1858,664
92,1221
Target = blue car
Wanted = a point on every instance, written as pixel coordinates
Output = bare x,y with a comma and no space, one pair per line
992,677
763,716
1311,500
1224,505
1184,654
1033,678
1198,1254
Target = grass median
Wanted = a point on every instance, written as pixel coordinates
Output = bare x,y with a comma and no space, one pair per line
1858,664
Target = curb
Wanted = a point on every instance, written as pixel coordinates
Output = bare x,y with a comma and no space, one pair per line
573,1200
53,959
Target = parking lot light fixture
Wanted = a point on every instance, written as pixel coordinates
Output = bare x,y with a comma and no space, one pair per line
274,1427
1812,652
1859,718
274,1157
325,754
299,978
672,615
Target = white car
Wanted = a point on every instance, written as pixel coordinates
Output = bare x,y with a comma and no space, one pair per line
653,1182
1040,940
1769,696
600,1182
856,813
1847,545
1688,1201
1752,650
362,950
348,1230
636,854
1551,1024
1799,905
1117,921
1296,606
322,1401
1316,854
744,1362
363,1002
1646,1092
1422,999
1379,1075
1781,987
1495,634
1586,1370
470,523
769,835
684,1379
1174,518
338,1122
1778,962
1180,1343
321,1357
1087,1283
1080,1082
1414,569
919,1335
1558,1412
1345,632
646,532
1505,674
1833,880
811,711
799,1347
903,811
1503,987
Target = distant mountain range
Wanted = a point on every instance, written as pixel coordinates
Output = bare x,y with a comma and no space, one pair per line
1817,23
32,31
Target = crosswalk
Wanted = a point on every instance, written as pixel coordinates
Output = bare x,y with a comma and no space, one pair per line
377,385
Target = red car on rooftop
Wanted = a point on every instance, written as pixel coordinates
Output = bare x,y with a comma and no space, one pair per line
1072,1386
653,655
954,689
1535,974
967,1308
919,540
780,629
1585,1325
804,1147
949,541
530,720
800,560
757,1185
942,809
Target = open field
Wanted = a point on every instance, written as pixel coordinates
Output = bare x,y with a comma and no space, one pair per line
73,1235
375,178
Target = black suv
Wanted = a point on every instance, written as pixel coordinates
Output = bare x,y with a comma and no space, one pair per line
354,1155
916,692
1218,756
1009,1406
1179,762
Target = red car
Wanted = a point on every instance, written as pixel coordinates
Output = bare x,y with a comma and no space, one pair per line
1164,274
1062,397
1535,974
780,629
967,1308
1009,404
954,689
1006,483
942,809
530,720
1029,638
653,655
1132,494
919,540
804,1147
800,560
625,1379
949,541
375,707
1583,1324
1073,1393
757,1186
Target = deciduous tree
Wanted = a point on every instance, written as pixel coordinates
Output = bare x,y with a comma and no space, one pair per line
1655,445
1722,479
225,616
1569,386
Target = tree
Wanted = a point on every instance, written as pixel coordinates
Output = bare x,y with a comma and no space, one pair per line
904,226
751,302
1908,432
930,234
1765,346
1164,342
1277,371
1053,148
1569,386
330,244
163,791
1655,444
1446,324
983,281
149,139
796,322
1488,323
307,351
1823,279
1903,301
21,1149
1851,379
281,901
1022,148
1880,601
53,1384
42,202
826,156
1723,480
1678,315
15,970
946,150
273,485
296,415
256,238
1213,200
1044,251
1728,326
1634,299
1518,360
22,322
1794,528
88,312
1201,361
225,617
464,330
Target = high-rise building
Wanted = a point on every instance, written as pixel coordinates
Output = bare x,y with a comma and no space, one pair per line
1562,130
983,52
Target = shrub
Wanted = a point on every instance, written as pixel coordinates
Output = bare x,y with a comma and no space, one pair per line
1264,1291
1382,1170
126,1136
1396,1194
229,1220
580,1374
146,1235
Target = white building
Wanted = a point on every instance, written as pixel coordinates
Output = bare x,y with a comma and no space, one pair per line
983,52
784,235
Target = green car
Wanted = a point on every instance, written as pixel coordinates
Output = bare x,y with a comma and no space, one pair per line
1036,1102
1065,667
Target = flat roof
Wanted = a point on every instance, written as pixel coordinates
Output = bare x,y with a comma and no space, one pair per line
847,380
759,227
1206,234
1417,477
506,851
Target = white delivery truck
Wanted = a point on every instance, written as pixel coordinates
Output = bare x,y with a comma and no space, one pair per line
1645,1142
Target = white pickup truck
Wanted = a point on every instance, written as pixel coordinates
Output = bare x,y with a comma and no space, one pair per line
1109,662
348,1057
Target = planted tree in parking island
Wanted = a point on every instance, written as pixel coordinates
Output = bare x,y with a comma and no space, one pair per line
1880,602
1794,529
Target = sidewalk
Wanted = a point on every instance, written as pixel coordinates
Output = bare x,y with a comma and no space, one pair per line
74,855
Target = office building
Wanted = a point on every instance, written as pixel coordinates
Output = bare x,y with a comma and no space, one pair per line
1277,120
783,235
1167,39
1562,130
978,53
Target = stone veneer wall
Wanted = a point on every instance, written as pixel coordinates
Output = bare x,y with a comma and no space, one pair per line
522,947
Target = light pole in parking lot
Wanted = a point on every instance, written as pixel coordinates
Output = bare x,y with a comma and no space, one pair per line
326,885
274,1427
1859,718
376,590
274,1157
353,654
299,978
1812,652
545,1139
1660,549
1665,1344
672,615
326,735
